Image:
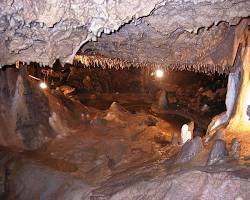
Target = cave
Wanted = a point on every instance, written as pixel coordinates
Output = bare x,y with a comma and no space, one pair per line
125,99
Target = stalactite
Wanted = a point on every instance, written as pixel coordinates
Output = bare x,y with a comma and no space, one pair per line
109,63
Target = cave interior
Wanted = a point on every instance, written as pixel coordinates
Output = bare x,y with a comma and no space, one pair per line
125,99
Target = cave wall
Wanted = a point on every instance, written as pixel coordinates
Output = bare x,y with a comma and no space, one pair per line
98,80
24,112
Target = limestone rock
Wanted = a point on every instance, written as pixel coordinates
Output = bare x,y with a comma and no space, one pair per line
235,148
218,135
199,132
151,121
46,183
98,122
163,101
218,152
161,139
24,112
188,185
117,108
46,30
193,184
174,139
208,51
189,150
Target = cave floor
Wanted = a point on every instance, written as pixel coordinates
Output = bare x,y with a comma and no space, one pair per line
112,154
109,146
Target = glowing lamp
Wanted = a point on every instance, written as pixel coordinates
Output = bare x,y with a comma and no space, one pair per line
159,73
43,85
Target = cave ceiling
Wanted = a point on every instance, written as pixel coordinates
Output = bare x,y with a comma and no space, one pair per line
197,34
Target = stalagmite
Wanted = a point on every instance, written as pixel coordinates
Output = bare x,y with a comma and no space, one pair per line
240,121
232,88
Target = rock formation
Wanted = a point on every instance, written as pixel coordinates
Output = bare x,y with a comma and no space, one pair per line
24,112
181,34
115,153
218,152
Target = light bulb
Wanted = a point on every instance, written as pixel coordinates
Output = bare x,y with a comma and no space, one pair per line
159,73
43,85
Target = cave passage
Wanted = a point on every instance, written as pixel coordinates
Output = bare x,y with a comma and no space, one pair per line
97,123
124,99
175,95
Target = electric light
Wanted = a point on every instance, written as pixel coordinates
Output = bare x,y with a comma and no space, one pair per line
43,85
159,73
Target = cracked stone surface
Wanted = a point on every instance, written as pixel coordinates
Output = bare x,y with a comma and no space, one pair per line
43,31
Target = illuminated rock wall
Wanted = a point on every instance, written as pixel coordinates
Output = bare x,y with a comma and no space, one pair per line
240,121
